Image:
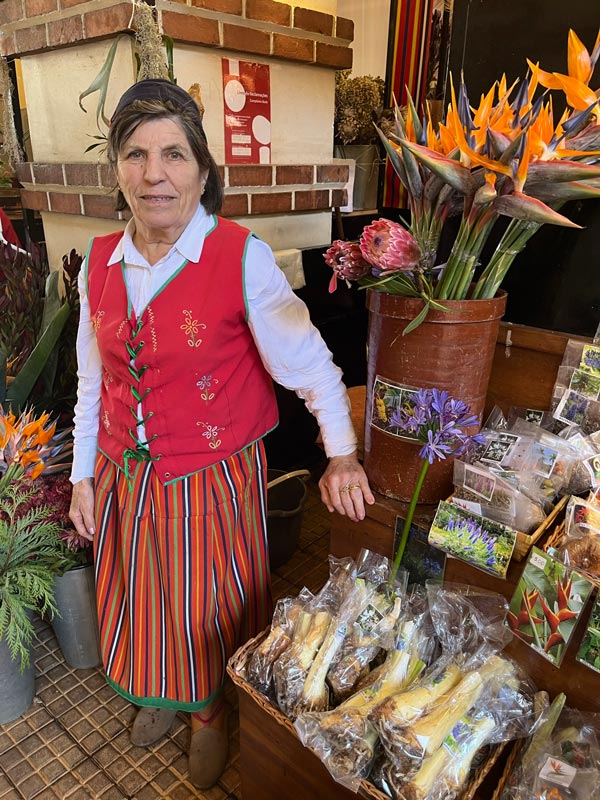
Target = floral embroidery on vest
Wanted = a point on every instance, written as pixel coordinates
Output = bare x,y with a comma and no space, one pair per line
204,385
106,422
211,432
107,378
120,328
96,320
191,327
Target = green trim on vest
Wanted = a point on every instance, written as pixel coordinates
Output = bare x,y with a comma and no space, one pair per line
86,267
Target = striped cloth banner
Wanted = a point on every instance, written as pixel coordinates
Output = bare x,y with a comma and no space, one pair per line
408,58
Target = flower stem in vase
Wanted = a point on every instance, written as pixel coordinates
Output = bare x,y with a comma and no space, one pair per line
408,521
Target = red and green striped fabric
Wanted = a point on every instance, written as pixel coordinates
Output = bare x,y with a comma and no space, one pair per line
182,576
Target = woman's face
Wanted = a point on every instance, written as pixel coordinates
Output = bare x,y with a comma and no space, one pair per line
160,179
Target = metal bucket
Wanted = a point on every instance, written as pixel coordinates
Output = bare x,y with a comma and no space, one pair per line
16,688
77,626
286,493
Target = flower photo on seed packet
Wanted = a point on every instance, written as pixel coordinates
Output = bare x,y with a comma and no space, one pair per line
485,544
590,359
546,605
388,400
589,651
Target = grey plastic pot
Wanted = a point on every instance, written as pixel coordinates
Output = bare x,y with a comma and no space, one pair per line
77,626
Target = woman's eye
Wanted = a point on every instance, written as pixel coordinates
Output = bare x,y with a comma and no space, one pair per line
134,155
174,155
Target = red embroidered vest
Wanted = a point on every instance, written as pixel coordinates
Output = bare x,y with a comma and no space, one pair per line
189,359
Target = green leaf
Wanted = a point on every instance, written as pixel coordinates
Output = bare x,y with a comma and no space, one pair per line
417,320
22,385
521,206
100,84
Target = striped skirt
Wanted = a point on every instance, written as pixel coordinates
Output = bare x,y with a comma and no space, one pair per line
182,576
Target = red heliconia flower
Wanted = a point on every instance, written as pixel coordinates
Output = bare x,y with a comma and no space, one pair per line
346,261
389,247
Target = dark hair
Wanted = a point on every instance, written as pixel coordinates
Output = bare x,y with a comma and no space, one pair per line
125,122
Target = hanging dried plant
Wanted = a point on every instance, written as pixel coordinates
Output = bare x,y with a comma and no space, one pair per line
150,44
10,150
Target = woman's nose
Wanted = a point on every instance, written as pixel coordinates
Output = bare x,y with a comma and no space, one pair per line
153,167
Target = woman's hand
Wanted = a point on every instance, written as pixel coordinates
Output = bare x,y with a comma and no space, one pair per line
82,508
344,487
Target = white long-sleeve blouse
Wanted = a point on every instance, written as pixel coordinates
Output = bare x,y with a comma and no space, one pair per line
291,348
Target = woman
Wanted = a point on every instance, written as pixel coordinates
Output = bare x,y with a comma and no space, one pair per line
184,319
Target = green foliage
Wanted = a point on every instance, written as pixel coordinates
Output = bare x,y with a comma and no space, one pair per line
38,320
29,556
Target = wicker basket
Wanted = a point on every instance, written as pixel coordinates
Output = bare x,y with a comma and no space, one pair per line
508,768
236,669
526,541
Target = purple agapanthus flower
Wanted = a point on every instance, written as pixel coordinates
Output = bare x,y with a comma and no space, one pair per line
439,421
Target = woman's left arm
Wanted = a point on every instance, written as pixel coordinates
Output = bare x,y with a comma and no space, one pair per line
296,356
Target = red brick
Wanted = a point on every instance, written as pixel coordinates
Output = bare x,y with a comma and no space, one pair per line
316,198
71,3
269,11
271,203
188,28
246,40
37,201
65,31
33,8
81,174
339,197
223,6
333,173
293,47
27,40
221,171
331,55
107,21
107,176
24,173
314,21
8,46
12,11
344,29
95,205
251,175
65,203
294,174
235,205
48,173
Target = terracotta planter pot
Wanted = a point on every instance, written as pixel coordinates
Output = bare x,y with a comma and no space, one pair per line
452,351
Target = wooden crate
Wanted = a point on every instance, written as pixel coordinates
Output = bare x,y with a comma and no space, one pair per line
275,764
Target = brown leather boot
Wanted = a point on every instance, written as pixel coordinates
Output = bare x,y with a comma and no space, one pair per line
150,725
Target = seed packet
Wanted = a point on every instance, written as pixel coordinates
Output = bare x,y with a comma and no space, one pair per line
422,561
479,541
589,651
495,494
387,399
546,605
536,416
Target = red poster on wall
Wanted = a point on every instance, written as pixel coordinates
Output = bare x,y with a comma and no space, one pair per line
247,101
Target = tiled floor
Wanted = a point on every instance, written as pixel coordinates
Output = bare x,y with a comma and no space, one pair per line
73,742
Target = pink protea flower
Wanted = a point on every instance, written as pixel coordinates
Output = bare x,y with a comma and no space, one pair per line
346,261
389,247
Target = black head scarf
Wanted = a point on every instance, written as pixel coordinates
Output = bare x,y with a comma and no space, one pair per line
160,89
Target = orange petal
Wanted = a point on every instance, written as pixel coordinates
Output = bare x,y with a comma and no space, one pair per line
547,79
580,65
